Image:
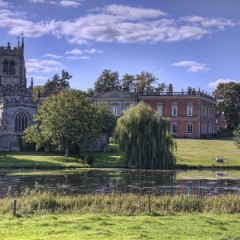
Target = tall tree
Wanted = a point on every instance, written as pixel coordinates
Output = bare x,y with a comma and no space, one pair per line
107,120
228,101
66,119
128,82
38,90
57,83
144,139
144,82
107,81
236,134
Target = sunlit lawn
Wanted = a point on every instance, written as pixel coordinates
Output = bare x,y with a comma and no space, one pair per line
75,227
38,160
190,152
202,152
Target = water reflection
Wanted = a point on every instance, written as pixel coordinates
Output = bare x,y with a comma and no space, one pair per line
126,181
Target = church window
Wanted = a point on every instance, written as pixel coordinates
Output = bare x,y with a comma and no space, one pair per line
5,66
11,68
20,122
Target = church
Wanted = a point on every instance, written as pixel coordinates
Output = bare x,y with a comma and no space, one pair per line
17,105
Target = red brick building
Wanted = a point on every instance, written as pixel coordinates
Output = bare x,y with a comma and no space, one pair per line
192,113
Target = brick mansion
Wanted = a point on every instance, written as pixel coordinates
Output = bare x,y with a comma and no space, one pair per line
191,112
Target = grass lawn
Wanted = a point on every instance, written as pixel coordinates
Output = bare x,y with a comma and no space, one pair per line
38,160
190,152
75,227
200,152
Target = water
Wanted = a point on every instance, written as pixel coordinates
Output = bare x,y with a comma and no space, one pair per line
123,181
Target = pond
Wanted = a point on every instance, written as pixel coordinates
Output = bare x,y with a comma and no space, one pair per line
73,182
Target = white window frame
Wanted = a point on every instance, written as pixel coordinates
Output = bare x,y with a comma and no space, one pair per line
159,108
115,109
174,110
190,127
174,128
189,110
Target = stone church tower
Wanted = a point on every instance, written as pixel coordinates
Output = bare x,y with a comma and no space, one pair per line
17,105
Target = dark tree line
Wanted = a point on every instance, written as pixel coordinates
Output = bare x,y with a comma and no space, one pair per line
143,83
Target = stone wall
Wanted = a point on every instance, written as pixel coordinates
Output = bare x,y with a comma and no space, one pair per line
9,142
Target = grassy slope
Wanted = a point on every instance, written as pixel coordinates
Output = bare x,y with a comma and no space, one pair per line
203,152
75,227
189,152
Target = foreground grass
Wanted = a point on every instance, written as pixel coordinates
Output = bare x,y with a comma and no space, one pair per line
190,153
38,202
101,226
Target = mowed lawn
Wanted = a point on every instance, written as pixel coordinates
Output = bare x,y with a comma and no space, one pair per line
89,227
190,152
200,152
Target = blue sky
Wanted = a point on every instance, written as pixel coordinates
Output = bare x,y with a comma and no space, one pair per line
183,42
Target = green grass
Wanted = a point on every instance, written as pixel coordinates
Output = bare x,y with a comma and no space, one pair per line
190,153
38,160
46,202
201,152
100,226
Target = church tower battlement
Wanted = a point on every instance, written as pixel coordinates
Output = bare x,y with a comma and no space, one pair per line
17,105
12,66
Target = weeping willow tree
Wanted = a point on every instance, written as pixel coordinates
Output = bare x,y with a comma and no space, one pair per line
144,139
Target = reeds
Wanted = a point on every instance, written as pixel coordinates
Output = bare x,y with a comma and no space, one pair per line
37,202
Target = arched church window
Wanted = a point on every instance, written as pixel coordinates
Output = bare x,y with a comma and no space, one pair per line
20,122
5,66
11,68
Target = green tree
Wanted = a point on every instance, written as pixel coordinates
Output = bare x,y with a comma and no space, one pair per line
107,120
128,82
236,134
144,139
38,90
228,101
107,81
144,82
57,83
66,119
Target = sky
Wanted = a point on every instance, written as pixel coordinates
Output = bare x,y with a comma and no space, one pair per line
183,42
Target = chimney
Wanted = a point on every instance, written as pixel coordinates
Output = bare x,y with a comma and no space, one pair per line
170,89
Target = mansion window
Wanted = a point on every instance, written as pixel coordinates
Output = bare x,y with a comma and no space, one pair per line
9,67
189,110
20,122
174,128
174,109
115,109
189,128
160,109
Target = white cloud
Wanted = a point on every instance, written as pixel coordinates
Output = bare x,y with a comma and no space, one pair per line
75,51
218,23
192,66
62,3
78,57
35,65
54,56
78,51
221,80
132,12
116,23
69,3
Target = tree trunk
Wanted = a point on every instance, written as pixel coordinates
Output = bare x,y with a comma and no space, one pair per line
67,152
